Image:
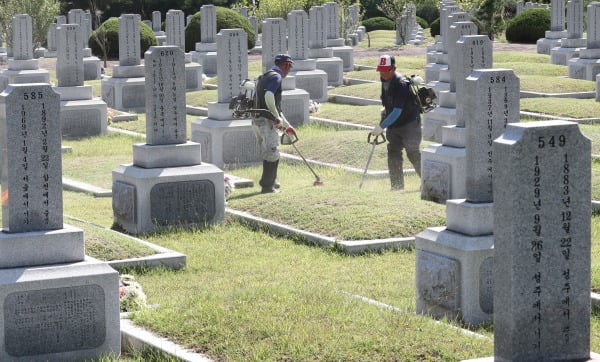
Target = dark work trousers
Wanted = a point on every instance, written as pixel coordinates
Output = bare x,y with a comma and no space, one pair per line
406,137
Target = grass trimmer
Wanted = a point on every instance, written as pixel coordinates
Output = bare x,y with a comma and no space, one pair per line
375,141
287,139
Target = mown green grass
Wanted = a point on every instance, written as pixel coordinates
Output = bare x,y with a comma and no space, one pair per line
93,159
201,98
365,90
109,245
139,125
249,296
339,209
365,115
565,107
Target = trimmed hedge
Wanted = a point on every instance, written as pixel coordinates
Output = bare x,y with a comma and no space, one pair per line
226,19
111,27
434,27
529,26
378,23
422,22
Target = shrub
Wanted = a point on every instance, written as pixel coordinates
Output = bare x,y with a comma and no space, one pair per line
434,27
110,30
428,10
528,26
226,19
422,22
378,23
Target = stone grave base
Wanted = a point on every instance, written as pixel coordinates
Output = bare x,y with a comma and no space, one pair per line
23,64
346,53
50,54
124,94
583,68
320,53
447,98
545,45
170,155
434,120
561,55
432,71
454,275
161,39
294,104
454,136
443,173
62,312
440,85
335,42
146,199
64,245
193,76
226,142
9,76
334,68
82,118
92,68
207,59
314,82
597,87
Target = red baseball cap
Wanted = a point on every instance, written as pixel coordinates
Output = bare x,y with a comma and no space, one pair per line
386,63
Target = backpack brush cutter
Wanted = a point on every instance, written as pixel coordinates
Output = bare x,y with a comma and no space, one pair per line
242,106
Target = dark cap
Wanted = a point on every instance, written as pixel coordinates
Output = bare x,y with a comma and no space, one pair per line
283,58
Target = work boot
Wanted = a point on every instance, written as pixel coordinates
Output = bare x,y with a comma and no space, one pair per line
267,181
396,174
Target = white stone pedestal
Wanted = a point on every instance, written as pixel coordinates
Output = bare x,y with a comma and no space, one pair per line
443,115
454,265
586,66
206,55
126,89
225,141
443,173
346,53
81,114
551,40
23,71
92,68
312,80
59,312
569,48
193,76
294,102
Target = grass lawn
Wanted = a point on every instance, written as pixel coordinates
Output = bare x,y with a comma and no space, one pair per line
365,115
139,125
565,107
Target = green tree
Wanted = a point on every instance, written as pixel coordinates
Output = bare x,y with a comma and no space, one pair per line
42,14
490,14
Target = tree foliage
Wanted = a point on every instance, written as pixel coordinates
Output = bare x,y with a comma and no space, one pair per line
42,14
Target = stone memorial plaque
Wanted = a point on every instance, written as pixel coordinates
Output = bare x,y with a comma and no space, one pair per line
76,16
31,166
61,19
574,19
186,202
593,25
123,201
54,320
557,15
244,11
129,40
457,16
472,52
208,24
491,102
240,147
156,21
22,44
298,34
134,96
174,27
332,10
254,23
438,282
69,65
232,68
80,123
456,31
435,181
317,28
274,33
542,242
165,95
486,286
51,37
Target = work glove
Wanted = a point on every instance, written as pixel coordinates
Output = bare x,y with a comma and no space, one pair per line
278,123
290,131
377,130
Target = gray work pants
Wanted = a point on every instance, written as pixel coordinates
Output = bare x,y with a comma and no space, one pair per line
268,138
406,137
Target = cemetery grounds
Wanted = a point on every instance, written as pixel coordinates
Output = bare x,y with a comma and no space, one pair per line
246,294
